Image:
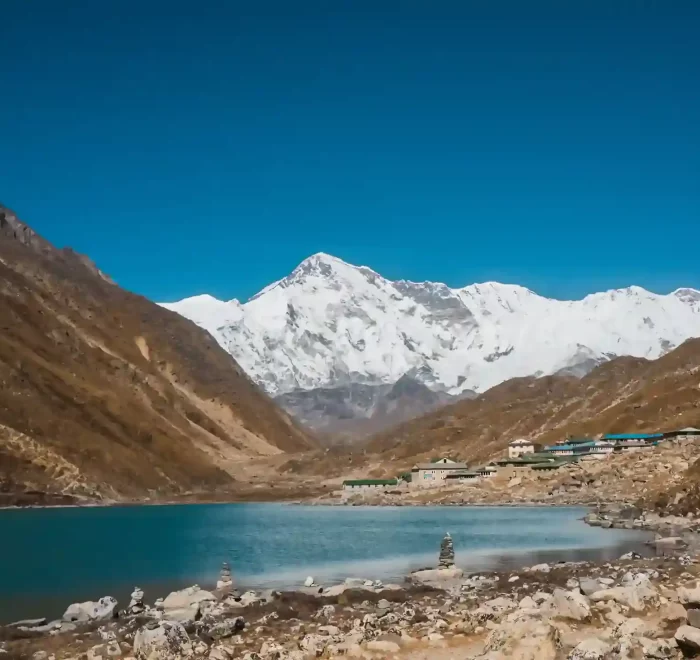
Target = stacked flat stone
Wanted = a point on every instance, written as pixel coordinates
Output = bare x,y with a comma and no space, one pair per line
447,552
225,582
136,605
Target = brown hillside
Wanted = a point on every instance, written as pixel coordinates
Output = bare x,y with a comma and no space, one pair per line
103,393
626,394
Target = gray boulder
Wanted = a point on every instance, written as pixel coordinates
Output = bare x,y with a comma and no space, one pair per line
693,617
524,639
688,639
571,605
105,651
185,605
436,575
166,640
101,610
226,628
636,592
658,649
591,649
589,586
689,596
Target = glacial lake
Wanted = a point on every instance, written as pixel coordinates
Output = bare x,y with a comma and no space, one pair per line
52,557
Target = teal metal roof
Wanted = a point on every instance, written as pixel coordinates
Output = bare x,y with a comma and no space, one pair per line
632,436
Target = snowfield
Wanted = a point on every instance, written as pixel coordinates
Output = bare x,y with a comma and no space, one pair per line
329,323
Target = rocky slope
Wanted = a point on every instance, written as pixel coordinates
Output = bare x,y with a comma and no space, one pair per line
350,412
625,395
104,394
329,324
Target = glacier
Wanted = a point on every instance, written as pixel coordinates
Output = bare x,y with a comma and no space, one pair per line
331,323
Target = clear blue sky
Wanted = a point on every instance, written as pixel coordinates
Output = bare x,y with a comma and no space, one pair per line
193,147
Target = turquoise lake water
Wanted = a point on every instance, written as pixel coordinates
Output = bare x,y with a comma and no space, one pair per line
52,557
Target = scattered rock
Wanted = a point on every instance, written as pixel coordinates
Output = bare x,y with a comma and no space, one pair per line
636,592
525,639
104,651
628,556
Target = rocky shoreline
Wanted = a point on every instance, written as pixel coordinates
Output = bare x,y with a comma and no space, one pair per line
629,609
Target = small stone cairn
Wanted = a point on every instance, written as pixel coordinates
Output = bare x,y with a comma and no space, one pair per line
447,552
225,582
136,605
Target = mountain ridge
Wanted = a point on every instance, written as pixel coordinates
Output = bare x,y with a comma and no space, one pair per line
329,323
105,395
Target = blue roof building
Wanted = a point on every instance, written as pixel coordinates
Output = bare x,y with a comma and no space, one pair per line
633,436
580,448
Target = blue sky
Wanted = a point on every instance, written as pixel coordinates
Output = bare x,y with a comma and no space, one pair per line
209,146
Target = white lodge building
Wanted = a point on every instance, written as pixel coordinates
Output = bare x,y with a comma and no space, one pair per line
434,473
519,447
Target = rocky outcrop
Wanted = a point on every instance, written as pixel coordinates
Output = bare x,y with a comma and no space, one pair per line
104,608
162,640
185,605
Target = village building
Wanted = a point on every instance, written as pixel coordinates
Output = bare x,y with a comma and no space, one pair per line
582,448
460,476
649,438
369,484
519,447
435,472
690,432
595,449
523,461
633,445
549,465
560,450
574,441
486,470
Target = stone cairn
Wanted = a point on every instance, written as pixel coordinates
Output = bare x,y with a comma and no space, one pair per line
447,552
225,582
136,605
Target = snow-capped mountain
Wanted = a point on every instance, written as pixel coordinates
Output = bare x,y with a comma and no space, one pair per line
330,323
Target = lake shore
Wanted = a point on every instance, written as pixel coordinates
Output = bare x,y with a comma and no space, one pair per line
632,603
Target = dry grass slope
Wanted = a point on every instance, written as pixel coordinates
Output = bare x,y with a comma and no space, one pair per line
105,394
